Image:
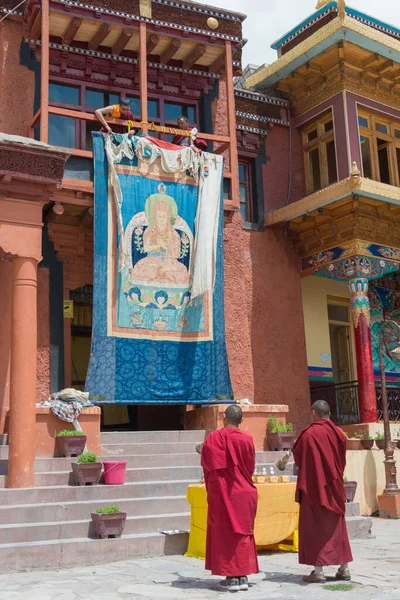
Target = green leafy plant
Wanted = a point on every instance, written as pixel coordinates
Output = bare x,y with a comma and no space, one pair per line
380,436
345,479
107,510
275,426
87,457
289,428
339,587
363,435
69,432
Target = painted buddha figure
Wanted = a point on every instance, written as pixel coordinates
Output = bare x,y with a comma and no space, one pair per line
162,243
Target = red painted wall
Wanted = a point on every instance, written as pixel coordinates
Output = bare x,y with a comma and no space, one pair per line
279,165
17,82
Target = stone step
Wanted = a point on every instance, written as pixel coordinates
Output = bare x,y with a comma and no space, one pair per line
140,449
132,475
2,481
3,452
67,493
65,511
149,437
46,465
359,528
3,439
64,553
353,509
63,530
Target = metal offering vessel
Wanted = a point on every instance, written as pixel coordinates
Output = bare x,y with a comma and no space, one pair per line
282,462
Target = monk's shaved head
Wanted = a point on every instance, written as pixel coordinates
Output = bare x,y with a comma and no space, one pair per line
233,415
321,408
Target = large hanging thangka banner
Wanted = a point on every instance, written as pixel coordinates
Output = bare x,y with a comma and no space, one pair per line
158,316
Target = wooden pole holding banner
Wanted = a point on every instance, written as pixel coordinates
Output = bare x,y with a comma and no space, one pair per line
44,86
143,76
233,156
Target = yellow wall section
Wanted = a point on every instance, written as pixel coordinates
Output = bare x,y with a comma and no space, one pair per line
315,292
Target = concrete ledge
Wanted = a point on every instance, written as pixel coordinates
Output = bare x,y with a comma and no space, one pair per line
47,425
255,419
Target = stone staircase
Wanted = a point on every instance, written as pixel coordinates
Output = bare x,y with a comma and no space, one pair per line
50,525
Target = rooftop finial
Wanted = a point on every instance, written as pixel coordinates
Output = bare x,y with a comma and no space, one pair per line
340,3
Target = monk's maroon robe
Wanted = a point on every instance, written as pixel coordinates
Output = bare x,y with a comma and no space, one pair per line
320,455
228,460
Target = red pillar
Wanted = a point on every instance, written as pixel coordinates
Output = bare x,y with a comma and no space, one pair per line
365,368
21,462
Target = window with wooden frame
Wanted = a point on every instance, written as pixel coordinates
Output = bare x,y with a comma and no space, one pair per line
380,148
75,133
319,154
246,191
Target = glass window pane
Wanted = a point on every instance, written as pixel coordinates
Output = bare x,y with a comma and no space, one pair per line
381,127
329,126
90,126
397,133
338,313
113,99
227,188
383,160
242,172
366,157
243,192
244,211
152,108
62,131
315,172
398,160
134,105
67,94
331,159
362,121
173,111
95,99
312,135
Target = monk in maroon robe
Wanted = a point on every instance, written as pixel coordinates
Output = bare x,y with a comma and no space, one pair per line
228,460
320,455
182,140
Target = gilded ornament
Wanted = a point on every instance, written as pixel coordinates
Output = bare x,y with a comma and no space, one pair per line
212,23
145,8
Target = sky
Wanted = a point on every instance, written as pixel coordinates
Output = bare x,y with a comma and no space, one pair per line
268,20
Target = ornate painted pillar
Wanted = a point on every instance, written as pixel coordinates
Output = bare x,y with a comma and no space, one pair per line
365,368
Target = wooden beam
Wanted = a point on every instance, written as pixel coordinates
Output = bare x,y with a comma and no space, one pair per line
218,65
86,217
99,36
122,41
221,149
44,73
170,51
230,98
152,43
71,31
36,27
371,60
144,117
194,56
312,67
341,50
387,65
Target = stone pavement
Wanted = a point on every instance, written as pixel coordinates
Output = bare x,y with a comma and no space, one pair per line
376,575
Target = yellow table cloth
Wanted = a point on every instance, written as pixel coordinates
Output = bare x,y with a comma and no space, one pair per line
276,519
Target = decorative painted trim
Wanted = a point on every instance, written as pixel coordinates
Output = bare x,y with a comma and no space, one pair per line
261,98
14,13
133,17
260,119
359,301
304,25
125,59
232,16
251,129
372,22
320,373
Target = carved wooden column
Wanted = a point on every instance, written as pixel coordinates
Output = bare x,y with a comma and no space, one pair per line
365,369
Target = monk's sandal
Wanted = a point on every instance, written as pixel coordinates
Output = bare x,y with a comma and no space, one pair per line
243,584
343,575
314,578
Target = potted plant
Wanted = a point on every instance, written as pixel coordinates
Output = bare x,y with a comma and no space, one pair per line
87,470
366,439
70,442
350,488
108,522
380,441
352,443
279,435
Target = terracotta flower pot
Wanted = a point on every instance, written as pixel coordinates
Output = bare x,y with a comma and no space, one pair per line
353,444
281,441
87,473
398,444
70,445
367,444
109,525
351,488
381,444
